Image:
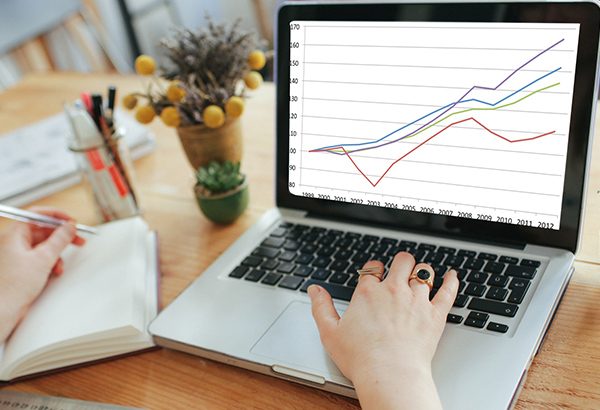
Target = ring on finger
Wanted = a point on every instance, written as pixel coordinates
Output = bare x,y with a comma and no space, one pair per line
375,271
422,275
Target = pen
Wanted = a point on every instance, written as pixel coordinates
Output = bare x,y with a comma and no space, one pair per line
38,219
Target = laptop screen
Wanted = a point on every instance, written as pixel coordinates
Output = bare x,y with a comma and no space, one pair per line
467,119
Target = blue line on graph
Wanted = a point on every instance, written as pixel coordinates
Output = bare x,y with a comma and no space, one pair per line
451,105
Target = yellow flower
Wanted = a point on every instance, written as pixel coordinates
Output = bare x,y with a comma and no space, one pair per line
213,116
145,65
234,107
130,101
253,80
145,114
175,92
170,117
257,60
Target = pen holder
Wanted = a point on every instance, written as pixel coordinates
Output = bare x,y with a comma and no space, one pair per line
107,170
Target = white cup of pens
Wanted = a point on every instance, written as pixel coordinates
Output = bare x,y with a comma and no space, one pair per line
102,156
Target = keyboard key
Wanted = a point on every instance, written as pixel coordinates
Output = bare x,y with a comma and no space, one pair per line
494,267
531,263
434,257
336,291
291,245
353,281
475,290
454,261
343,254
321,274
361,246
239,272
474,264
326,251
524,272
517,295
389,241
339,265
380,248
418,254
487,256
447,250
264,252
291,282
309,248
491,306
427,247
343,243
273,242
370,238
339,277
498,280
477,277
496,293
408,244
286,267
287,256
255,275
467,254
477,319
497,327
321,262
303,271
278,232
461,301
509,259
361,257
304,258
452,318
252,261
269,264
271,279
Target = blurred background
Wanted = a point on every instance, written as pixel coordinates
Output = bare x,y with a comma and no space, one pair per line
107,35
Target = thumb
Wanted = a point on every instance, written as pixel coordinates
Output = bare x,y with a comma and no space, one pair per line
323,310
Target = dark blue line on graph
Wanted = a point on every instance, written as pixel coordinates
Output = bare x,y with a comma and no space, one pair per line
447,108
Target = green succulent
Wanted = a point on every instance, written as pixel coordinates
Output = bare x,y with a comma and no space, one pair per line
218,178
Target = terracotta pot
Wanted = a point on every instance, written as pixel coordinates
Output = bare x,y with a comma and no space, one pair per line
203,145
224,208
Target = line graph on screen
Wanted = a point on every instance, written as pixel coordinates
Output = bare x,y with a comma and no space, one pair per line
466,120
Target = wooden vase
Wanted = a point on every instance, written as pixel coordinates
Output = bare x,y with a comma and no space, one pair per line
203,144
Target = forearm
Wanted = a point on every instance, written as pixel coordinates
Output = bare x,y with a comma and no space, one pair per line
396,387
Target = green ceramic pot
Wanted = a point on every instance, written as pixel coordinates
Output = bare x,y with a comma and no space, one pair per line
224,208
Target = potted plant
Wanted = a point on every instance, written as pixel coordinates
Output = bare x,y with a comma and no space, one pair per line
210,70
221,191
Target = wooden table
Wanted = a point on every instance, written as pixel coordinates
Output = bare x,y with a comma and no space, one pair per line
566,373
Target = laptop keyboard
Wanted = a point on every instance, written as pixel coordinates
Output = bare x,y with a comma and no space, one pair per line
295,256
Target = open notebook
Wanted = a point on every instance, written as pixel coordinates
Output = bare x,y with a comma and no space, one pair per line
97,309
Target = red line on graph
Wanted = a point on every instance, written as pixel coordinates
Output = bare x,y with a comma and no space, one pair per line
426,141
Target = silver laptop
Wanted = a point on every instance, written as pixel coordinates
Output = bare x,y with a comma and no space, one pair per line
458,132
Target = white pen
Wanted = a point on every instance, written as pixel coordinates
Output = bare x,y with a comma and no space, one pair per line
38,219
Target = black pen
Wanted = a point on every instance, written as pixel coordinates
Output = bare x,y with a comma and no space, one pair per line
110,109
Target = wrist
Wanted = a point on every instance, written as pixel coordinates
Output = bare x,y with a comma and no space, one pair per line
402,385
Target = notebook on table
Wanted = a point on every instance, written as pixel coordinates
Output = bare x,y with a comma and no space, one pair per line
458,132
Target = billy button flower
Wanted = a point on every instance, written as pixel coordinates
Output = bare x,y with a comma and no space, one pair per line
145,65
170,116
253,80
130,101
234,107
257,60
213,116
175,92
145,114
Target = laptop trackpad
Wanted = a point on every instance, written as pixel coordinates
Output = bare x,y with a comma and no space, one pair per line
293,339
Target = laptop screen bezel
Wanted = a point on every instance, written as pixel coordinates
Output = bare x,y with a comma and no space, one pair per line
587,14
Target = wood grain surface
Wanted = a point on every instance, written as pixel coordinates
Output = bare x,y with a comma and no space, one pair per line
565,374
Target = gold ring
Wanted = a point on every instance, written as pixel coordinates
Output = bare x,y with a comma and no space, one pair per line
424,276
375,271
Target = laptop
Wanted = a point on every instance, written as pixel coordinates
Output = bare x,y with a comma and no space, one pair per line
458,132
